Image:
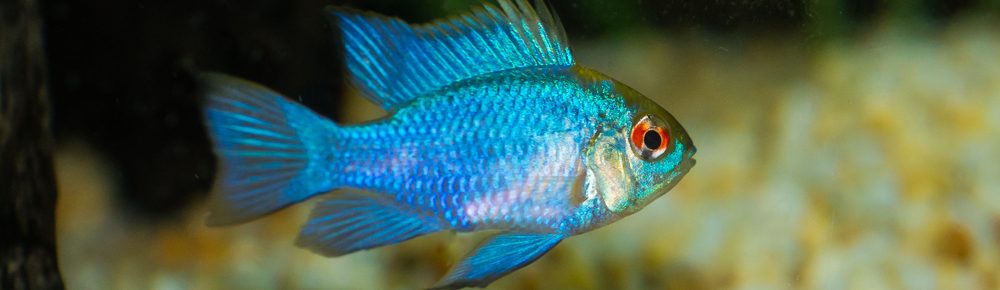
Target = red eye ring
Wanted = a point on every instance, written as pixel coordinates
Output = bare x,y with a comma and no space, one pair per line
638,132
649,146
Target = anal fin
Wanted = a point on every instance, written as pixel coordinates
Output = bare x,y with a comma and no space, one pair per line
497,257
350,221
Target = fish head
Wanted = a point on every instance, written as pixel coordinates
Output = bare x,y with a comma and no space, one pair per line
640,155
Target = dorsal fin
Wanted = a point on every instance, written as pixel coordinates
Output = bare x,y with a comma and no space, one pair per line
393,62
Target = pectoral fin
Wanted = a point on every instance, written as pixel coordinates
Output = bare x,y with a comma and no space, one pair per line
496,257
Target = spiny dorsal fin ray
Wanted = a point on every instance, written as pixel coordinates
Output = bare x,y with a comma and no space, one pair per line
393,62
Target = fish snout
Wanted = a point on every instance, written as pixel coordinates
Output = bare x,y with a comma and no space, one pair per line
690,156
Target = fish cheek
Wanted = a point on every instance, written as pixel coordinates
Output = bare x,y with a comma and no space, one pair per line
612,180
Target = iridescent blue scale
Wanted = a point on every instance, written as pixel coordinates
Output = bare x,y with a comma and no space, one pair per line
512,153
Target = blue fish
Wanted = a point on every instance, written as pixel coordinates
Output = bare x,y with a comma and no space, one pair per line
491,126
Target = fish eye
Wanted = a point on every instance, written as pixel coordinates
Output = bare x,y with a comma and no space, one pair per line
649,138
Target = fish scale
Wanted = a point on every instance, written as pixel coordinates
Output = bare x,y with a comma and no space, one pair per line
508,148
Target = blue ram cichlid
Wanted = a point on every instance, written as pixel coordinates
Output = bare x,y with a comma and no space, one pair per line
491,126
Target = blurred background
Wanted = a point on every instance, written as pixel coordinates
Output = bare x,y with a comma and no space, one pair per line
842,145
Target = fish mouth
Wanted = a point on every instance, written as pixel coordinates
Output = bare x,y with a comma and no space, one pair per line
686,167
690,158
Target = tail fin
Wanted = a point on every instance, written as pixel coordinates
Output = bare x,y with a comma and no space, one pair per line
271,150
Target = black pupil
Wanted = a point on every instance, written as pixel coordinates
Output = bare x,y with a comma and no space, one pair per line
652,139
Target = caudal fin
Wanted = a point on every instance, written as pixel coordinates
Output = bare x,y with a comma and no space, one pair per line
270,150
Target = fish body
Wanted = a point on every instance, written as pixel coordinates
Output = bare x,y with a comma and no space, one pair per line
503,151
492,126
